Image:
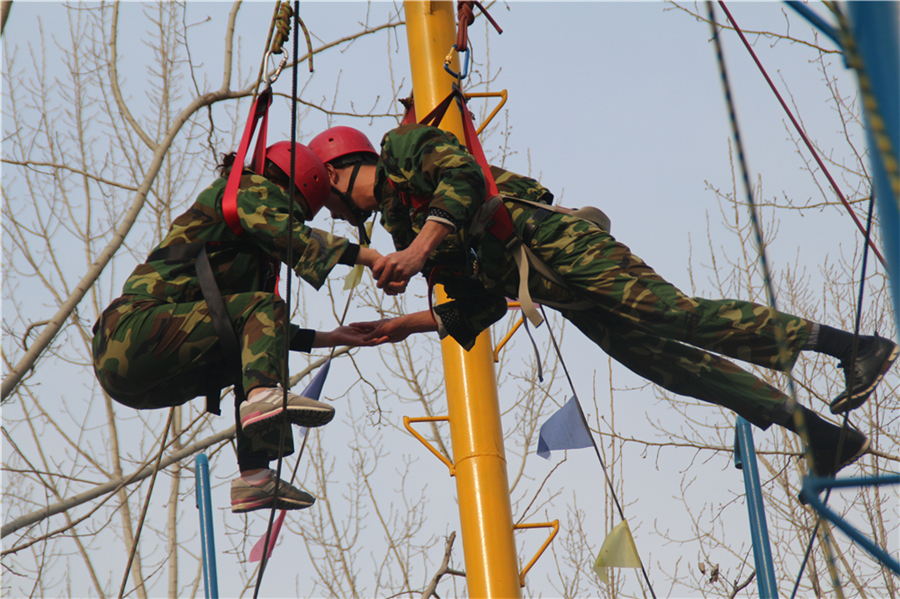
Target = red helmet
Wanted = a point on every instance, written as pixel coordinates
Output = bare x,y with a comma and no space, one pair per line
340,141
310,175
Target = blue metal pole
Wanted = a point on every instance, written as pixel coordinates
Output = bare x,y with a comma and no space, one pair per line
876,27
745,459
812,485
207,536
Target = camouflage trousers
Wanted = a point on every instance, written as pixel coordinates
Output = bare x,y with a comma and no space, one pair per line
150,354
655,330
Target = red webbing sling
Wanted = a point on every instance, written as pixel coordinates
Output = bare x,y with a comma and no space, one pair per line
259,110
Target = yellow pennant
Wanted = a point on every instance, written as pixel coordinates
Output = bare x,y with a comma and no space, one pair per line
618,551
356,272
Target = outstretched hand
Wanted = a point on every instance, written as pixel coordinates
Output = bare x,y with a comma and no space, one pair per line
376,332
392,330
347,335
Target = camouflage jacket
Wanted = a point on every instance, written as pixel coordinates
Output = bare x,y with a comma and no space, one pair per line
240,264
429,165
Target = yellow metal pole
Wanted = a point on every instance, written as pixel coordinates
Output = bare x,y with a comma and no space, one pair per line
482,486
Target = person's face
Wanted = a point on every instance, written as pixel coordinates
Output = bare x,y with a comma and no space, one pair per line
340,180
339,210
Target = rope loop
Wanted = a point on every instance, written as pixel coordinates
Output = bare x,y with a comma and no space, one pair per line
282,27
466,16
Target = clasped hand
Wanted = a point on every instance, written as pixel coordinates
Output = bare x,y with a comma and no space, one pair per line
393,272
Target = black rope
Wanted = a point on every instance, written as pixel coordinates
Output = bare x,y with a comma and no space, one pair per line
137,537
809,546
609,484
799,420
285,375
862,288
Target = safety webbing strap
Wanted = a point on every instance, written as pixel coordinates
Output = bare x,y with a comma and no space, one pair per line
231,348
418,202
260,110
409,116
500,225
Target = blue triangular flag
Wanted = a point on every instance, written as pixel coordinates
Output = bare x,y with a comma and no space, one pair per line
314,388
564,430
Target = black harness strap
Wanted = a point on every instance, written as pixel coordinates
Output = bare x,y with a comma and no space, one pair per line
231,349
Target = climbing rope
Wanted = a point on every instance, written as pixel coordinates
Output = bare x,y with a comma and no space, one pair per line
282,26
862,287
137,534
284,14
465,17
279,31
751,202
260,77
799,420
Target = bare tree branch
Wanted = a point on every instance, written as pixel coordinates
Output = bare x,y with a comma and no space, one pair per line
431,589
66,167
112,486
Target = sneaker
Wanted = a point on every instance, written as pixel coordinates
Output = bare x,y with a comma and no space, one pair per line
260,416
824,439
246,497
867,371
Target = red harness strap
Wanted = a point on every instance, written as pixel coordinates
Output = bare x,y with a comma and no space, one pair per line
259,110
418,202
501,225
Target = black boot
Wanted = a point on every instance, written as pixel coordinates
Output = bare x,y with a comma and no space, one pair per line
824,439
874,357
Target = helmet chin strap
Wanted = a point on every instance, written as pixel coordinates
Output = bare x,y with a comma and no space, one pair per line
360,215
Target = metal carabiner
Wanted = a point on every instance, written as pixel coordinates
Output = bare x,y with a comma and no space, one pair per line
449,59
270,80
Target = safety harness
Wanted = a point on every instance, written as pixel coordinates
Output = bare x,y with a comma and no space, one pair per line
493,216
195,253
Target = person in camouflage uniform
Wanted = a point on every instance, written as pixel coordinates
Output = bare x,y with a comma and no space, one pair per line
429,190
157,345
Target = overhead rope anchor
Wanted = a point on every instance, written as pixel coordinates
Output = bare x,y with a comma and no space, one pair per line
466,16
